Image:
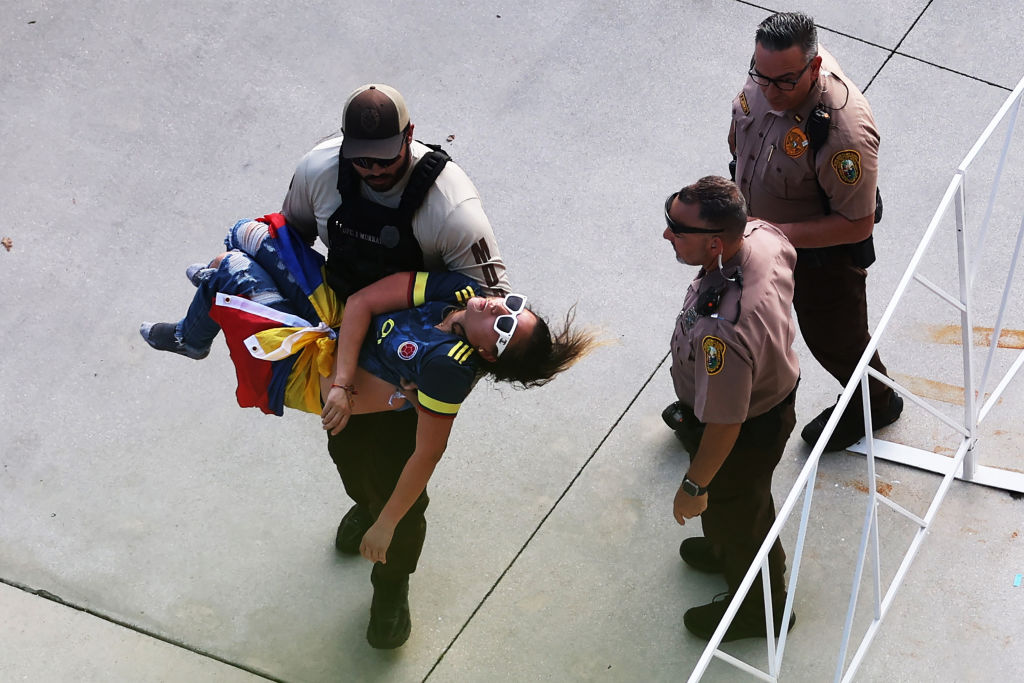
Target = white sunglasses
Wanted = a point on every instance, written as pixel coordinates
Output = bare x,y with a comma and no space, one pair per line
506,323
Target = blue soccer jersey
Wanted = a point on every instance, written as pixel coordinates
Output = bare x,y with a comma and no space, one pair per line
407,345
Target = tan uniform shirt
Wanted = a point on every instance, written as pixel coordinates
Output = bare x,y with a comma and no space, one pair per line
739,363
778,172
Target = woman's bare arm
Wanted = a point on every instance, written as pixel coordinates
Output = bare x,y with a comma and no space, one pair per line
431,440
388,294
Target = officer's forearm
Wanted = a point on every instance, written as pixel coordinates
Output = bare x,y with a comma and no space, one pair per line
715,444
828,231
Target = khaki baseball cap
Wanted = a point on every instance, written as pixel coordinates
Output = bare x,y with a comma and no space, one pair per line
374,122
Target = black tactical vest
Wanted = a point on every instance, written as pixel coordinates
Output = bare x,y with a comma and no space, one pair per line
369,241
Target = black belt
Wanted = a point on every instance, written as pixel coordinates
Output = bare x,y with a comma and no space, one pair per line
861,254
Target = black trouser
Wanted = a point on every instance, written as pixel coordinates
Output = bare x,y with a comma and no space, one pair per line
831,306
740,509
370,454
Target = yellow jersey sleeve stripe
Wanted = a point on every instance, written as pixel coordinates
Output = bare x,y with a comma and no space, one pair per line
464,294
460,352
419,289
439,407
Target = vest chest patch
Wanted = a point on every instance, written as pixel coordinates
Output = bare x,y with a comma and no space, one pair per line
390,236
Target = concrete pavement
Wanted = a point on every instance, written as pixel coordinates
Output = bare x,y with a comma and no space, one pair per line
190,540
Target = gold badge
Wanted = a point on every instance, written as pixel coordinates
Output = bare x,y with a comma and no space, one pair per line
714,354
847,166
744,105
795,143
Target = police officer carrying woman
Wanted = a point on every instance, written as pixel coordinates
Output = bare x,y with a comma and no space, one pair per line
735,374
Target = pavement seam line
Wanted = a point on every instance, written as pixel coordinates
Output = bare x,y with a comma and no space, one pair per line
53,597
893,51
544,519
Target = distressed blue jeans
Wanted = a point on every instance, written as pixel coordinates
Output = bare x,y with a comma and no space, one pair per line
251,269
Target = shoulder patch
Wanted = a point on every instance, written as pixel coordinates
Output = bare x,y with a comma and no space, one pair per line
847,166
744,105
795,143
714,354
407,350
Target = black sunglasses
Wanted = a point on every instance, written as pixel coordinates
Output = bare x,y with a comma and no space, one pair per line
678,228
369,162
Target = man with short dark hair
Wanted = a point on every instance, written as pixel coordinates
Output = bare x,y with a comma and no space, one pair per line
383,202
806,158
735,375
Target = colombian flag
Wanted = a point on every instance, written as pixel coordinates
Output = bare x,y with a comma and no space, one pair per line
278,356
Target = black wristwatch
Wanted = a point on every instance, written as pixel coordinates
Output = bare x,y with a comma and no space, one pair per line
691,488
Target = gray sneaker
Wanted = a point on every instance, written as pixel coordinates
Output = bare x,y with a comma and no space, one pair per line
162,337
198,272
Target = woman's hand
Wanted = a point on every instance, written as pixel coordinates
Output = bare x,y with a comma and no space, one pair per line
337,408
376,542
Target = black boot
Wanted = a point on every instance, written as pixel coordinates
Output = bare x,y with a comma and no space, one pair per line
389,613
350,532
749,621
850,428
698,552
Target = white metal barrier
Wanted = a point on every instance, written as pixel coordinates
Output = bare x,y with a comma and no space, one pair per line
962,465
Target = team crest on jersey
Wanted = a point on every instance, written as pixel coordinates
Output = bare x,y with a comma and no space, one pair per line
714,354
407,350
795,143
847,166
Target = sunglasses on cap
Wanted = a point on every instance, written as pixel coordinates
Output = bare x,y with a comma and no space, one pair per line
506,323
678,228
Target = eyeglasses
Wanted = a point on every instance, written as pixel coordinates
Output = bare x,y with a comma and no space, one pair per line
780,83
369,162
506,323
678,228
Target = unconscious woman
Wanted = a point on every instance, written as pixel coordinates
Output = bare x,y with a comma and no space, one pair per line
431,338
